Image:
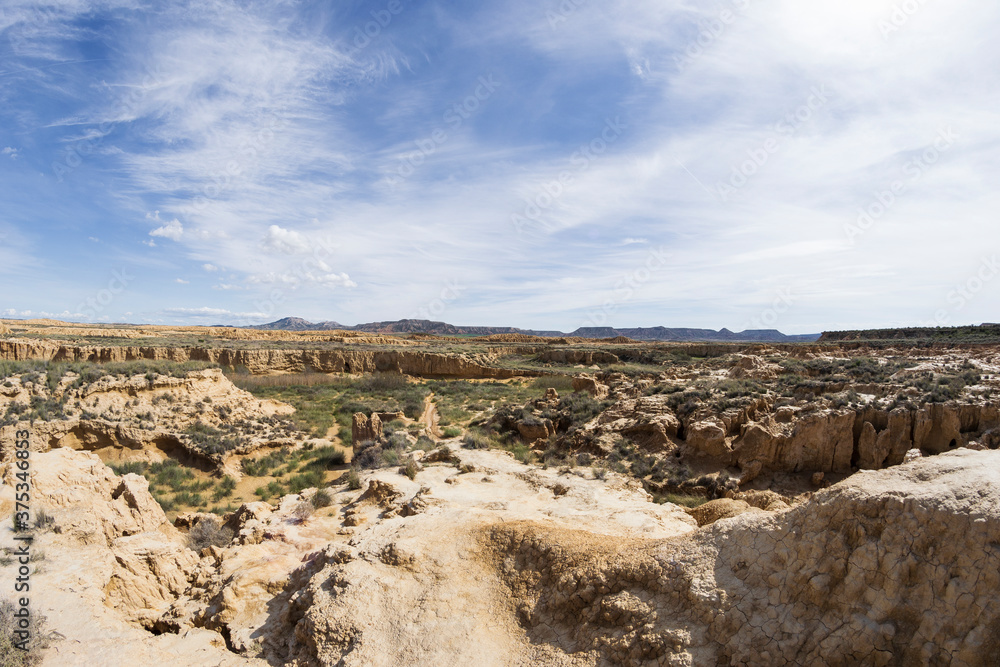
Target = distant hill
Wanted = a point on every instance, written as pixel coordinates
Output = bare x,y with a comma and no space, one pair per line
683,335
297,324
445,329
984,333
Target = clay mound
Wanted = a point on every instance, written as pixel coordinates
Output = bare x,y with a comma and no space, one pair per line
624,340
723,508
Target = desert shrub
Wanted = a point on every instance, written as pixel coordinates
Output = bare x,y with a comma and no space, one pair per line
210,440
581,407
452,432
305,480
39,636
410,469
263,466
369,458
326,458
382,382
322,498
225,488
44,521
269,491
557,382
522,452
46,409
209,532
352,479
303,511
476,439
135,467
399,441
190,499
166,504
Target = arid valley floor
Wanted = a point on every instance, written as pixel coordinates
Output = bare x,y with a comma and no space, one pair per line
222,496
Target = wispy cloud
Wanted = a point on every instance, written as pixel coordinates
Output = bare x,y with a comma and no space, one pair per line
269,145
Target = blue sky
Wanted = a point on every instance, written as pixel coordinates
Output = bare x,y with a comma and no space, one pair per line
548,165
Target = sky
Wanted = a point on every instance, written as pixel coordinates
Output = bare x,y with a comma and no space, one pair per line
552,164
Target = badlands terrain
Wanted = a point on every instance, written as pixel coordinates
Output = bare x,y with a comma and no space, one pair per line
221,496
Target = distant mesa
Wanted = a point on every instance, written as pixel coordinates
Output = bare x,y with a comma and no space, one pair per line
603,333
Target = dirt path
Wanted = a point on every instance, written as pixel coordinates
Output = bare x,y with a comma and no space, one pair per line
429,419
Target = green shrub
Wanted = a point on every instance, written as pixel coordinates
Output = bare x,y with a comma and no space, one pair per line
410,469
352,479
452,432
190,499
322,498
225,489
479,440
305,480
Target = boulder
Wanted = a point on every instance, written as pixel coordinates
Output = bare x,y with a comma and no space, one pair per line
535,429
708,438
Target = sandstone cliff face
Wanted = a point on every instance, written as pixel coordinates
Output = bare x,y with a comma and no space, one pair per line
422,364
585,357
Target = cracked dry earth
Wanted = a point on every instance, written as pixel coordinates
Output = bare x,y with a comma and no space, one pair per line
509,565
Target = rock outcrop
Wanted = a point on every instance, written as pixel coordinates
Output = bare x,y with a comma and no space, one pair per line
896,567
590,385
153,412
366,429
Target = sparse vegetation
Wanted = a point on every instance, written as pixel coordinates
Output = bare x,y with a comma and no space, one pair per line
40,636
209,532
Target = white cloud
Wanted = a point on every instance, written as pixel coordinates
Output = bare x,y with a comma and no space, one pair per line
181,281
210,267
11,152
173,230
295,279
284,241
207,312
